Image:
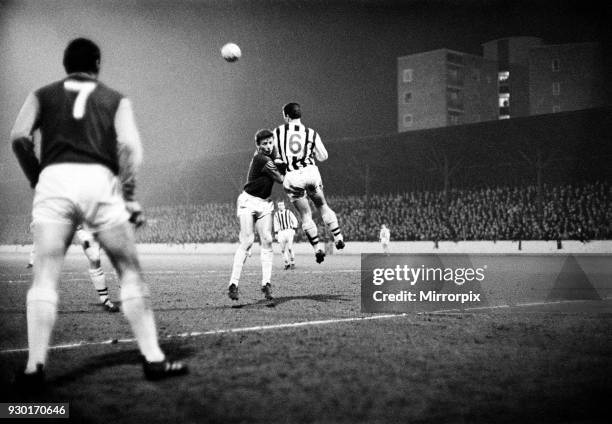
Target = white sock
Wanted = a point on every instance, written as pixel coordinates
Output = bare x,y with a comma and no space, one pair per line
310,228
139,314
41,311
266,265
330,219
239,259
99,281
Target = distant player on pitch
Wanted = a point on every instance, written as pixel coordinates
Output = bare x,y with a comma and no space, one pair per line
285,224
297,148
385,237
90,153
91,248
255,212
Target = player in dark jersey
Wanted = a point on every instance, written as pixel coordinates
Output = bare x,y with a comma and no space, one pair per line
90,151
254,210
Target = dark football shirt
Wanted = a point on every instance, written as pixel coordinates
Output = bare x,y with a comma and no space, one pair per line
259,181
76,121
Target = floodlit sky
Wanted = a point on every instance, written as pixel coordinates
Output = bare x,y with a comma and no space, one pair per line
336,58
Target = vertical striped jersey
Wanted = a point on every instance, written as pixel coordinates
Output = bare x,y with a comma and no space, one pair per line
284,220
298,145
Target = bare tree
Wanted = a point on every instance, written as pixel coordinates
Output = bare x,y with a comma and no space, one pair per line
445,165
539,161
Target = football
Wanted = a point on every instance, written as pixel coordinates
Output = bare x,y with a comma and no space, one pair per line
231,52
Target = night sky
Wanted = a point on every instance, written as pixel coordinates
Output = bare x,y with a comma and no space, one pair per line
336,58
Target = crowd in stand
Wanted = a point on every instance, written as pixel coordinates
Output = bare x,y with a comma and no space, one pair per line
569,212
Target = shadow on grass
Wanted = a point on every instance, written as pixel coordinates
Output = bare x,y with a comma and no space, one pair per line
126,357
284,299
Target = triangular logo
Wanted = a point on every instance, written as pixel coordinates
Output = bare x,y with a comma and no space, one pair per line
572,283
461,264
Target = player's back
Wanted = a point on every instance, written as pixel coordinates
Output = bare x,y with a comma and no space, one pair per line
76,121
296,143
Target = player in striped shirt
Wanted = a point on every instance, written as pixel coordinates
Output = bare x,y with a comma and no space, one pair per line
254,210
285,224
90,151
298,148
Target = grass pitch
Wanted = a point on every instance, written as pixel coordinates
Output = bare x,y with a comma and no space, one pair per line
544,363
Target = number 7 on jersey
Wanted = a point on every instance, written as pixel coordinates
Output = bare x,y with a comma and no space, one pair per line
84,89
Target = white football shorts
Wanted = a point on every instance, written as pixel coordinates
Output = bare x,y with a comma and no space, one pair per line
302,181
252,205
75,193
285,236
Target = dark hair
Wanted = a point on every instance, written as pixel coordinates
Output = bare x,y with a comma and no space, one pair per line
292,110
82,55
262,135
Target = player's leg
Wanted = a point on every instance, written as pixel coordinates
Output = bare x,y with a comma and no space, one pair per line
51,240
295,186
118,242
96,274
328,215
31,259
264,229
33,251
309,227
290,252
246,239
282,241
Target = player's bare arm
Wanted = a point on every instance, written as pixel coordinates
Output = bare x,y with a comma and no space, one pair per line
319,150
21,139
129,153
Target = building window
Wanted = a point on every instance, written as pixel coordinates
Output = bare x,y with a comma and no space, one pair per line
453,118
503,76
556,88
504,100
454,58
407,98
556,108
555,65
407,75
408,120
454,98
455,75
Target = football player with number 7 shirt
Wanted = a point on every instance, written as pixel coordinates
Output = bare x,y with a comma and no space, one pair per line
90,153
297,147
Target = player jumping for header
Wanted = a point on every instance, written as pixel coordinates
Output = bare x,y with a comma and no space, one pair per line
297,148
255,210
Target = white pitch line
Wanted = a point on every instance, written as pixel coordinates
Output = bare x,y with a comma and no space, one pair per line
477,308
220,331
294,325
